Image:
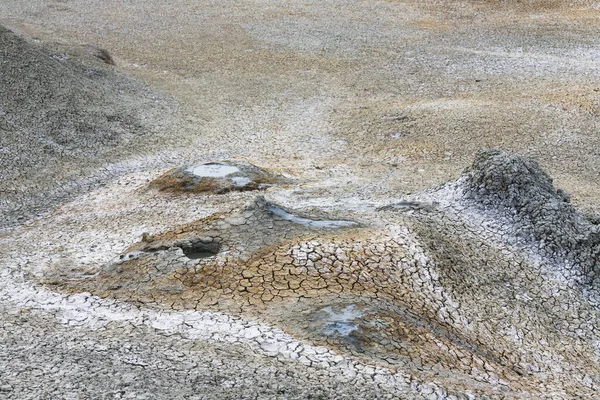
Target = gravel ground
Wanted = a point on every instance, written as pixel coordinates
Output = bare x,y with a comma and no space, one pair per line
362,104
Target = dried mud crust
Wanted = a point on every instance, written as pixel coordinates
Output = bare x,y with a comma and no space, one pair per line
121,362
417,288
366,101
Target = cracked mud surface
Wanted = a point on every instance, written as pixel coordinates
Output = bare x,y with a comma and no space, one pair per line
359,276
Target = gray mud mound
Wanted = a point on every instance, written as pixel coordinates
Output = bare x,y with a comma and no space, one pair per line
60,120
519,189
194,251
216,177
258,225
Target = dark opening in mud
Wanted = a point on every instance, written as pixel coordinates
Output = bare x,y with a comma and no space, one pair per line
201,250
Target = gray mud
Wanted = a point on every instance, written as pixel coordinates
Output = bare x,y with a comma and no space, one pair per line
518,189
64,122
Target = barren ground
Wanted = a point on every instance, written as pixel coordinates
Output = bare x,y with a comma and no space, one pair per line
362,104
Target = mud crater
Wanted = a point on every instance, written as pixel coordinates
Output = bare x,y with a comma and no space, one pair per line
200,250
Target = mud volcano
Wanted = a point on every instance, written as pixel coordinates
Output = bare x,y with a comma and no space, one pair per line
422,286
517,189
61,121
217,177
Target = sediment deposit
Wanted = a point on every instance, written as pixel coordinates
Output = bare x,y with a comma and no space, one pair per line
314,200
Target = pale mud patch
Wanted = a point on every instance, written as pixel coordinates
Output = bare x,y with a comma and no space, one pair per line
312,223
98,226
212,170
341,322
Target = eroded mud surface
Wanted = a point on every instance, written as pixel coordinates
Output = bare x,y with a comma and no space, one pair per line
413,291
393,261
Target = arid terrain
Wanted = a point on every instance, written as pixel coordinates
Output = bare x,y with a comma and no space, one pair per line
299,200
